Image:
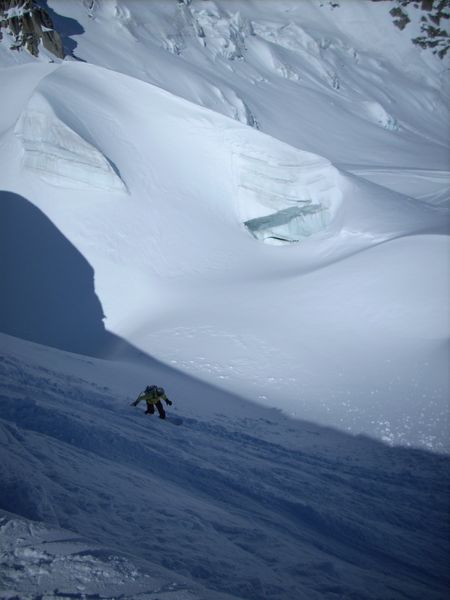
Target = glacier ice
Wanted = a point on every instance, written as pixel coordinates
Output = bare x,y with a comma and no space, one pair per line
284,195
59,155
291,224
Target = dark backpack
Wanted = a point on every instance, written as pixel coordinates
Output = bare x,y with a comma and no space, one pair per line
155,391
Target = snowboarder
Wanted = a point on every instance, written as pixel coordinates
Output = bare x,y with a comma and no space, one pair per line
153,396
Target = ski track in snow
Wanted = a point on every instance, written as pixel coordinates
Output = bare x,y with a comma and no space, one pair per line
256,507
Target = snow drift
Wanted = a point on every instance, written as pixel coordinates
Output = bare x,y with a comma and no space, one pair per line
171,226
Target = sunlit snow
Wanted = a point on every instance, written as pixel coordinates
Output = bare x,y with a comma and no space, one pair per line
58,154
246,203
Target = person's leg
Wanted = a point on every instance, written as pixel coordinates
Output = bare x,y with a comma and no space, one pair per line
159,406
150,409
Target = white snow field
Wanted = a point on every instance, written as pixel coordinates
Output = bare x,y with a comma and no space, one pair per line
247,203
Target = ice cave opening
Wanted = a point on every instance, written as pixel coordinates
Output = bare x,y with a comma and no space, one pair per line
292,224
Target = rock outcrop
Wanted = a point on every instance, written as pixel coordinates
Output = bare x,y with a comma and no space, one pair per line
28,25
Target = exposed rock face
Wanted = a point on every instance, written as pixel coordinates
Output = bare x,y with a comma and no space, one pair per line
434,27
434,22
28,24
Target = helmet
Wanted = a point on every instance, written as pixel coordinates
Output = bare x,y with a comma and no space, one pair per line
150,388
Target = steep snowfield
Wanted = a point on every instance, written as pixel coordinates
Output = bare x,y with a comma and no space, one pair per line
245,202
238,500
320,78
155,193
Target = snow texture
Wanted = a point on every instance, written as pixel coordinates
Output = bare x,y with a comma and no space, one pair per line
239,500
246,203
58,154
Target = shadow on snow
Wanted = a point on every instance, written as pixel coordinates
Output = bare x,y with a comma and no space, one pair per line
48,292
363,513
65,26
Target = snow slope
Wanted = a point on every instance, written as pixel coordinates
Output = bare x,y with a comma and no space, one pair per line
60,564
248,204
156,192
320,78
238,500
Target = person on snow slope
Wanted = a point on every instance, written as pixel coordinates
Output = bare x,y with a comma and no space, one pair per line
153,396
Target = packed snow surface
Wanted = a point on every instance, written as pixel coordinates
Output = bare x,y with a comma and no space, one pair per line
239,501
247,203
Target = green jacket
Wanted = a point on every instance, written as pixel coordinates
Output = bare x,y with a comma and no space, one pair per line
152,397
